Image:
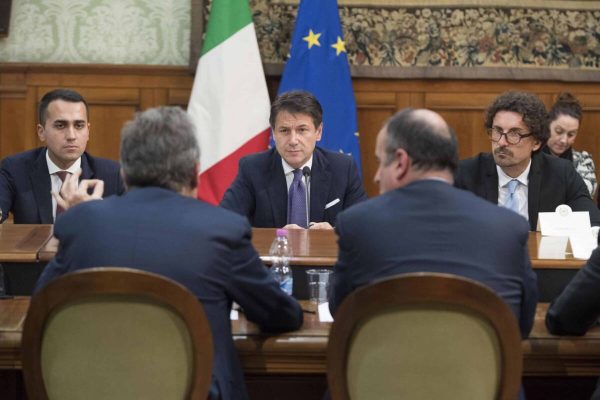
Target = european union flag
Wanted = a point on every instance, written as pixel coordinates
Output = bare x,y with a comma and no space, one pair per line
318,64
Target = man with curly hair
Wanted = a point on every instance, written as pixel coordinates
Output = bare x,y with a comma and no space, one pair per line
516,174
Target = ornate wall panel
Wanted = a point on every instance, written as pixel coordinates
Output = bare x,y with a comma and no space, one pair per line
99,31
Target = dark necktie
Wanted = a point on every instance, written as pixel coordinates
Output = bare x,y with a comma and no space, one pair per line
62,175
297,201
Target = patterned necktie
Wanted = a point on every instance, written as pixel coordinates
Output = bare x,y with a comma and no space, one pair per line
297,201
512,202
62,175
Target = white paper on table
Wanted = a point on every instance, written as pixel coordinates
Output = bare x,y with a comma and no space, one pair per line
324,314
553,247
234,315
582,244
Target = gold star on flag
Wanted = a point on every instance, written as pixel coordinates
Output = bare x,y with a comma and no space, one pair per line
339,46
312,39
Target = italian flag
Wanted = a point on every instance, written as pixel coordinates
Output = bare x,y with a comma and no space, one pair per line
229,103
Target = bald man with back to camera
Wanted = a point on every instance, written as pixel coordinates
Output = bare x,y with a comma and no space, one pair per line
421,223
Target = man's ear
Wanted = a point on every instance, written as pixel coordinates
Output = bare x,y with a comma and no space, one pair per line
319,131
403,164
196,179
40,133
123,178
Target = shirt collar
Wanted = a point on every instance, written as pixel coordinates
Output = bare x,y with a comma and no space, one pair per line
53,168
288,169
503,179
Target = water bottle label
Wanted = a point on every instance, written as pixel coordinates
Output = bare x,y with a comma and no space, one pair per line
287,285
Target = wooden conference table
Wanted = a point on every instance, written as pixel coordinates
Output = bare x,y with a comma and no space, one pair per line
300,356
30,243
304,351
34,245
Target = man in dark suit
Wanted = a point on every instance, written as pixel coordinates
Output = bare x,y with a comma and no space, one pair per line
159,226
26,179
420,222
517,125
577,309
264,188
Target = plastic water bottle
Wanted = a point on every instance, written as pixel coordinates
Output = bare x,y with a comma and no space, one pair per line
280,253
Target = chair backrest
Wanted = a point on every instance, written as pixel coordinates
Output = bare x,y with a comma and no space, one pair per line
424,336
116,333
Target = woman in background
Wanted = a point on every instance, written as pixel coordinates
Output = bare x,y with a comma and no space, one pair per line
564,119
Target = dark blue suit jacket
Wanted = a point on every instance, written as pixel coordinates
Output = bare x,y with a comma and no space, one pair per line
25,184
552,181
431,226
205,248
259,190
578,307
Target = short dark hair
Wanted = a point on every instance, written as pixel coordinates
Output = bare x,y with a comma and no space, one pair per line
60,94
528,105
566,104
159,148
429,146
297,102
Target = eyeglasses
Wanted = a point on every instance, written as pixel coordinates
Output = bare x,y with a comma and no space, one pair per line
513,136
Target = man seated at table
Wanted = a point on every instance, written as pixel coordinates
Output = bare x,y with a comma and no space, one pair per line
159,226
421,223
577,308
26,179
516,174
271,188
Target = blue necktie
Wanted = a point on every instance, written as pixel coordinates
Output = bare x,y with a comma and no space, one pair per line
297,201
512,202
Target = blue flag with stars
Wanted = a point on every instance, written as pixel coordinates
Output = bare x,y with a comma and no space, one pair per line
318,64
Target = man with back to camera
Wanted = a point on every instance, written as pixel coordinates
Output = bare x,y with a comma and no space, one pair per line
421,223
517,125
158,226
577,308
26,179
271,187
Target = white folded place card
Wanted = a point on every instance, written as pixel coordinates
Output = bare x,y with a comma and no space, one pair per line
582,244
563,221
553,247
324,314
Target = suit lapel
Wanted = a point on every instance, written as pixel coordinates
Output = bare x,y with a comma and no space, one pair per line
40,184
86,169
490,180
277,189
533,189
320,182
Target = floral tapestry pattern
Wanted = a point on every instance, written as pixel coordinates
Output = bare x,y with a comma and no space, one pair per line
490,37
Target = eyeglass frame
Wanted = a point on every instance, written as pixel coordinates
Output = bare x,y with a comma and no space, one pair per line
492,130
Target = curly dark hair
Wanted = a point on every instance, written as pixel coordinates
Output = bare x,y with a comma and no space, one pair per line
528,105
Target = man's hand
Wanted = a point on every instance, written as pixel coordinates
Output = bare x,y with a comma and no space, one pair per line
319,225
292,226
74,192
